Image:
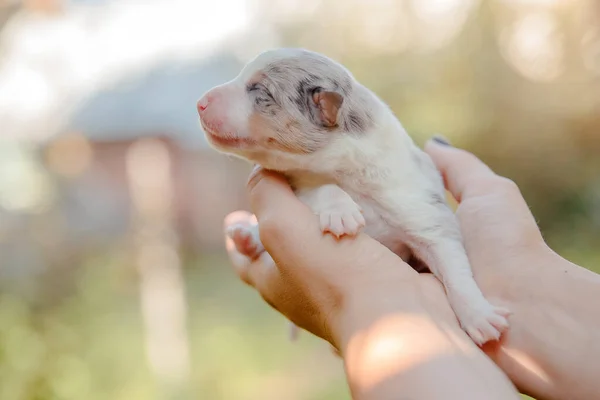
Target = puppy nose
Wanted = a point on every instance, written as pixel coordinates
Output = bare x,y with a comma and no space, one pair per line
202,104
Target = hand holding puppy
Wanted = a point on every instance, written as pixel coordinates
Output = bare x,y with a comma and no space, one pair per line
356,294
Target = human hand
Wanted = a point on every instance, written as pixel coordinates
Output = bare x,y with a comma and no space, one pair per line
358,295
549,344
501,236
552,340
313,277
495,221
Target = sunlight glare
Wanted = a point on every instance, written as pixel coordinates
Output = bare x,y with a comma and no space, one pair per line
382,25
388,354
50,63
440,21
533,45
527,363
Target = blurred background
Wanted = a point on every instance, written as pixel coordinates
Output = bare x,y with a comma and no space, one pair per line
113,277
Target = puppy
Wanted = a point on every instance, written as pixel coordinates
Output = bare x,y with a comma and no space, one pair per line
350,160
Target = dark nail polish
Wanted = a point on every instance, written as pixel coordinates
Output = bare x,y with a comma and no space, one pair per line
441,140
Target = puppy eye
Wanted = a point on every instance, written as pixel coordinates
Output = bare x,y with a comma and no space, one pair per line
253,87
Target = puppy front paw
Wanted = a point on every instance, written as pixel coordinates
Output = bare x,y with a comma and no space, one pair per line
338,213
246,240
345,219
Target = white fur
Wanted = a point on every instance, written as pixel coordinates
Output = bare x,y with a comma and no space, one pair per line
381,180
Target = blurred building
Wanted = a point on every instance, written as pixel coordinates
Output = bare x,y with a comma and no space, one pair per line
80,82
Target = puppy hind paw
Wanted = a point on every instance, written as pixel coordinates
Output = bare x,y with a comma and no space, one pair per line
486,325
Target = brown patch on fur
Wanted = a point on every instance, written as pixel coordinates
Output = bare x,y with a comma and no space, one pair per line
285,136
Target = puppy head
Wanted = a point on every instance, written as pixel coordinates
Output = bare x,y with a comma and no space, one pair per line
284,107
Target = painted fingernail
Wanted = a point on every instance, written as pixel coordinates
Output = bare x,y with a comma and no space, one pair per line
441,140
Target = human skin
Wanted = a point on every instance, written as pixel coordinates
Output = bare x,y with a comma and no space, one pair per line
394,327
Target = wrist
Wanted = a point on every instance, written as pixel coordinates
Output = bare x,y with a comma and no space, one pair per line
423,297
365,307
403,341
380,337
551,333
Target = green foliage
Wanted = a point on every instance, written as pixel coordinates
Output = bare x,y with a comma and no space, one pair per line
85,346
90,343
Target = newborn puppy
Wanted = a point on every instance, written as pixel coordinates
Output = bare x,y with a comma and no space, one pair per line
350,160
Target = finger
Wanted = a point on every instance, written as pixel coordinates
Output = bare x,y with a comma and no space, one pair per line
464,174
239,217
260,273
290,231
271,194
240,262
283,220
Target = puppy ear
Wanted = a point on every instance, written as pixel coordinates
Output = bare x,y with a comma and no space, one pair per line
328,104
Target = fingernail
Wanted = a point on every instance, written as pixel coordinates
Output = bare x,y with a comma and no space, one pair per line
441,140
257,168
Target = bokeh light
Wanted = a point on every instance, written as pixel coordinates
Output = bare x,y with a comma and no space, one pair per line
113,277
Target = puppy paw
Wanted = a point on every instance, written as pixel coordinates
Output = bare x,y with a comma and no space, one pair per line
246,240
346,219
486,324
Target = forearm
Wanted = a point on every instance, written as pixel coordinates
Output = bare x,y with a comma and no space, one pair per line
399,352
554,351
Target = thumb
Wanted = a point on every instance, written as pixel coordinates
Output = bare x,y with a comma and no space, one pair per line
283,220
464,174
